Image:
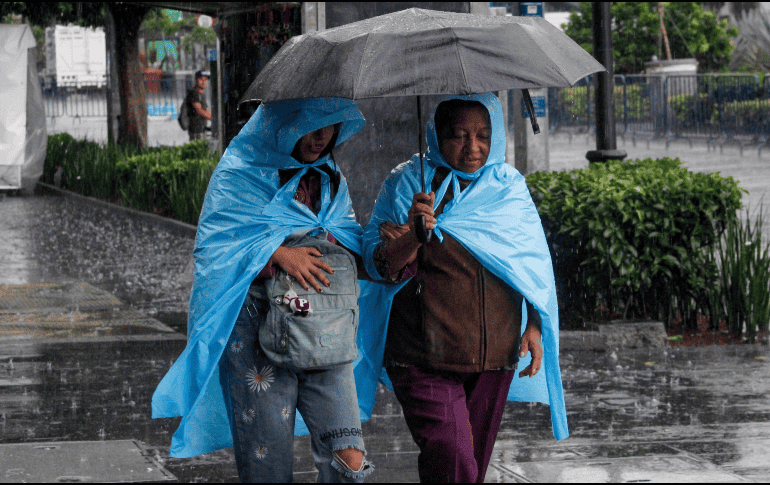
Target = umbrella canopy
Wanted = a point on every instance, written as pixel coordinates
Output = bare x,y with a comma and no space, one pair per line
422,52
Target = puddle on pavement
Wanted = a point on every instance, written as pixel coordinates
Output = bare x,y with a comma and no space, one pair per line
70,296
69,310
52,239
84,461
671,469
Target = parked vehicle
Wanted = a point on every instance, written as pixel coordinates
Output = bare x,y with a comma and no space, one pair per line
75,57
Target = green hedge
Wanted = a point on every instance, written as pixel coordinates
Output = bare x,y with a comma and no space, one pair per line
170,181
575,102
692,109
633,239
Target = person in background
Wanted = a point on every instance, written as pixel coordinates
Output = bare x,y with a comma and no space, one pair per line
198,107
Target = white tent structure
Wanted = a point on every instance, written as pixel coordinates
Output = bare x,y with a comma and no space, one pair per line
23,138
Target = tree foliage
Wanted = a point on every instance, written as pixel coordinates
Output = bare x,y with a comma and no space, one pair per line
692,30
85,14
159,20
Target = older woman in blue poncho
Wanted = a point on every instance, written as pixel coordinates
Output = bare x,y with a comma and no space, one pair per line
275,179
465,309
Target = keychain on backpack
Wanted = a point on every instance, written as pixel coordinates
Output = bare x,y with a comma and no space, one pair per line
296,304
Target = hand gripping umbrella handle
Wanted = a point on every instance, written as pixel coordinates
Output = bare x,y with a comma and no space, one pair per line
531,110
423,234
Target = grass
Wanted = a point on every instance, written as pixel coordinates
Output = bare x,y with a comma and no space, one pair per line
741,296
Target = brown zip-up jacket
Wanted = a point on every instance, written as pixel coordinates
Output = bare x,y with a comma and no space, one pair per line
454,315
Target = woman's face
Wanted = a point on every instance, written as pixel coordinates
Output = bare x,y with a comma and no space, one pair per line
312,144
467,146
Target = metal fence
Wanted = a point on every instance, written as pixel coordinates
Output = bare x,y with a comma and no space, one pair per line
706,106
164,98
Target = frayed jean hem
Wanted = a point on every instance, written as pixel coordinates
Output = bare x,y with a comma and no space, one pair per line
365,470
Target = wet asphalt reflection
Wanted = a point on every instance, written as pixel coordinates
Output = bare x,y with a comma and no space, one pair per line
708,405
48,239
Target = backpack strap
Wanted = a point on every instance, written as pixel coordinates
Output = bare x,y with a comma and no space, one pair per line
313,232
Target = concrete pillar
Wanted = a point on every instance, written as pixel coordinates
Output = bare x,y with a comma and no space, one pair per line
530,151
313,16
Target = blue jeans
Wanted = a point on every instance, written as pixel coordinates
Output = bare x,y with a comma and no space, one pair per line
262,401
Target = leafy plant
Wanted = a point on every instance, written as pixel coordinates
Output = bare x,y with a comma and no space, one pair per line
748,115
157,180
693,30
741,295
187,189
171,181
575,101
632,237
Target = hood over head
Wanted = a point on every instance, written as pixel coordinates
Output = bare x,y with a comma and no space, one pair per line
498,144
270,135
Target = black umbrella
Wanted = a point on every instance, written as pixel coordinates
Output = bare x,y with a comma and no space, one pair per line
418,52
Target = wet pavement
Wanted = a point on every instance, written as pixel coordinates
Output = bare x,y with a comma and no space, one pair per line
664,414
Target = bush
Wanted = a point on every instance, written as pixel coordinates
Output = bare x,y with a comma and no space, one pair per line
633,238
695,109
171,181
575,102
168,181
748,115
57,153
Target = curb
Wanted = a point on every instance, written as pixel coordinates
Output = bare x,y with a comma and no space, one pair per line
178,227
617,335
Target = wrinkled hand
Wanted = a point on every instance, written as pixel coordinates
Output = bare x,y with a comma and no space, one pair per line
390,230
422,204
304,265
530,342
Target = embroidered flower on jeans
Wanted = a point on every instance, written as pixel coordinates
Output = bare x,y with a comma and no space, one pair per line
236,346
248,416
260,452
260,381
286,412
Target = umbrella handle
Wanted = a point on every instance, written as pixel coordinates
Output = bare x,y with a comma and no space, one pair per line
423,234
531,109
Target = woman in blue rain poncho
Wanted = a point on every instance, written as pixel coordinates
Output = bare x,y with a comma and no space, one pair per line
275,179
463,310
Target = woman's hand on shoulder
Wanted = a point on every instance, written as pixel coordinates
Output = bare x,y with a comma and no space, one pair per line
304,265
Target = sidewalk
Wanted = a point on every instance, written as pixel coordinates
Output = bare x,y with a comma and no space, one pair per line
77,403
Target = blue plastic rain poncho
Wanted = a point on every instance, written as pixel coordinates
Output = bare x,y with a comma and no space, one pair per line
495,219
246,216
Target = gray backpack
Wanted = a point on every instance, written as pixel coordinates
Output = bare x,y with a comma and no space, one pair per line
325,337
184,113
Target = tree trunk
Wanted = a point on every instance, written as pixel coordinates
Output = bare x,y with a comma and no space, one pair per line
132,125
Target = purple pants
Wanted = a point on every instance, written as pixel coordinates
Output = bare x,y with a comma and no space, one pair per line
454,419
